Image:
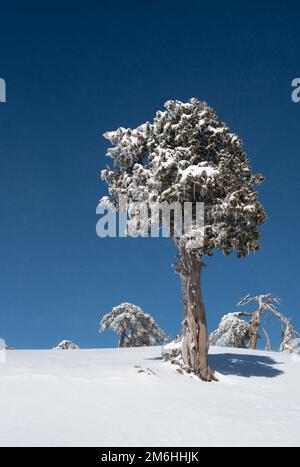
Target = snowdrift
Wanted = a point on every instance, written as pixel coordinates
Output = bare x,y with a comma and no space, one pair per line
131,397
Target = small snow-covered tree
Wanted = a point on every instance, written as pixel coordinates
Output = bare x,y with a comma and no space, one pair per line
3,345
188,155
66,345
266,302
268,305
232,332
135,328
290,339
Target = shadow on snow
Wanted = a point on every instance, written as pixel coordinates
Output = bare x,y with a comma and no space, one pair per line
245,365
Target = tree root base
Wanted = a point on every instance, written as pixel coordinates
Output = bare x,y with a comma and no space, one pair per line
174,357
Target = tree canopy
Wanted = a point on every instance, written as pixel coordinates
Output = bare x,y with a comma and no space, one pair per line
136,328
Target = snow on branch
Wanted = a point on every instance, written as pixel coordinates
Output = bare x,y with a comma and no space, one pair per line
66,345
186,154
135,327
232,332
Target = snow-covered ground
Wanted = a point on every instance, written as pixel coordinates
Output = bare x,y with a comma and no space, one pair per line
130,397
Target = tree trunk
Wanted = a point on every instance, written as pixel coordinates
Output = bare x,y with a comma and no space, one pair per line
195,335
255,323
122,339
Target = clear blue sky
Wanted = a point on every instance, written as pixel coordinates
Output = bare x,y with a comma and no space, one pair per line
75,70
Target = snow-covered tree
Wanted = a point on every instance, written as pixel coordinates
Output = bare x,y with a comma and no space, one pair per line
188,155
290,339
66,345
266,302
236,332
3,345
135,328
232,332
268,309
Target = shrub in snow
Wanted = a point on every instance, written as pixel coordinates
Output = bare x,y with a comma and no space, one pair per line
188,155
66,345
3,348
3,345
290,339
232,332
135,328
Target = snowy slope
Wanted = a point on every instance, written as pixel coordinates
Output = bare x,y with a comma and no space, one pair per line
103,398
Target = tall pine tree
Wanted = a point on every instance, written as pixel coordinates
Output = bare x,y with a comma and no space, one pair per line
188,155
